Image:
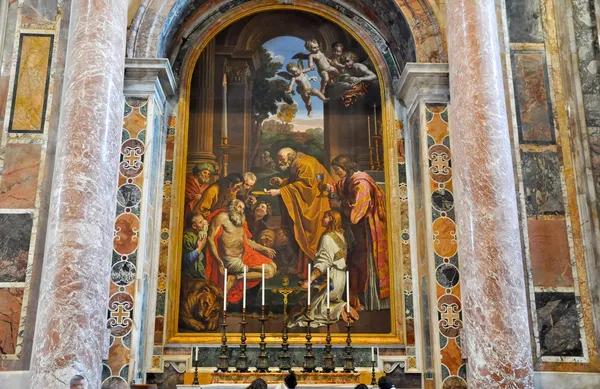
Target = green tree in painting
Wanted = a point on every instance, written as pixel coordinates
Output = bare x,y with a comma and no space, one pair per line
267,92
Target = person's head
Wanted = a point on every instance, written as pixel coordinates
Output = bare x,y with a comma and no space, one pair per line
258,383
338,49
199,223
384,383
261,210
235,210
361,386
285,157
233,182
249,181
203,171
266,154
312,46
347,59
267,238
332,221
293,69
343,166
290,380
77,382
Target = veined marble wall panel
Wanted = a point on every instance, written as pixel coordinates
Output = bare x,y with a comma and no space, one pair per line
561,312
31,84
30,87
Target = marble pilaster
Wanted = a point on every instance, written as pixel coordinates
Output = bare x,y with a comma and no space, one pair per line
71,325
496,330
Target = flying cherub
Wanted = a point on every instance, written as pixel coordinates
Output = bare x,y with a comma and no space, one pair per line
316,57
296,75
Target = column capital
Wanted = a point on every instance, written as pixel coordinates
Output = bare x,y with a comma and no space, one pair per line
149,76
423,82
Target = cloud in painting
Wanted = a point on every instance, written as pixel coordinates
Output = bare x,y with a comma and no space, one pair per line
277,58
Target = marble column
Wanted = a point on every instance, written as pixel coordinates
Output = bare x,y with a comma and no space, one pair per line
71,318
496,329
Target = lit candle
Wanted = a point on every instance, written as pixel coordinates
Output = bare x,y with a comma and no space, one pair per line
309,284
375,119
263,284
327,288
348,291
197,348
372,354
225,292
224,119
244,298
369,128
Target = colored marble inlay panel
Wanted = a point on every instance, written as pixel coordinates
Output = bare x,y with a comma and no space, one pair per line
558,324
125,244
524,21
542,183
445,247
15,235
31,83
550,254
532,98
20,176
11,300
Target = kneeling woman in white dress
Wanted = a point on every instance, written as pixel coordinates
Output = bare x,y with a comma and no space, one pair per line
331,255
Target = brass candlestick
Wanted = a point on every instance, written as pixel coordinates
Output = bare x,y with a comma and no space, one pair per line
349,358
371,163
373,380
263,361
284,357
378,165
223,357
242,361
195,370
224,156
328,365
309,358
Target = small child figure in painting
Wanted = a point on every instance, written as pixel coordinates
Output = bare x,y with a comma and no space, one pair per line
305,88
324,67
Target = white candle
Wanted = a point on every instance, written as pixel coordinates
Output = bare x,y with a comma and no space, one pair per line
372,354
327,288
225,292
263,284
244,298
348,291
369,128
309,284
224,119
197,353
375,119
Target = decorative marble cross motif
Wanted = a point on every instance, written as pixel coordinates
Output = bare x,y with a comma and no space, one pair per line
120,314
450,316
132,158
440,163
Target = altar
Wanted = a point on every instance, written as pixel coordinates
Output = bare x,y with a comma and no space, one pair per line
270,386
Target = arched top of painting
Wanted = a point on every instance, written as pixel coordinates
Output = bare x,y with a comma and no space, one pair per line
168,28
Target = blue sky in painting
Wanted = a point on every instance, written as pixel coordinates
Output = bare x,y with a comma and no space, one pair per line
283,49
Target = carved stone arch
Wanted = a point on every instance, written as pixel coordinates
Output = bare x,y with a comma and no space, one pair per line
412,27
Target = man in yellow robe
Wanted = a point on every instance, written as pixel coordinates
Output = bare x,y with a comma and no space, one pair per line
219,194
303,200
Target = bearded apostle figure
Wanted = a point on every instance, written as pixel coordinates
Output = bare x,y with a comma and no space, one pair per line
362,203
303,201
195,185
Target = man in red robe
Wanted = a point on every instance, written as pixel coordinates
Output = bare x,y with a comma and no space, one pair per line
195,184
363,204
229,246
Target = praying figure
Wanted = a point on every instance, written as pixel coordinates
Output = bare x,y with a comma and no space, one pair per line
331,255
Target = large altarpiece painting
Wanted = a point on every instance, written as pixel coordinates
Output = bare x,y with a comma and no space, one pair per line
286,169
